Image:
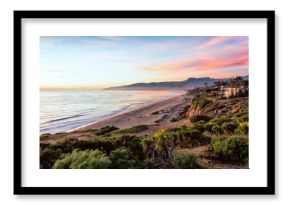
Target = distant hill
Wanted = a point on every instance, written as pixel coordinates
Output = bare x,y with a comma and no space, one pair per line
190,83
246,77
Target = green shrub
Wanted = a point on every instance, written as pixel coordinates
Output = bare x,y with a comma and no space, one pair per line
208,126
229,127
198,139
185,160
221,120
201,101
155,113
216,129
165,143
88,159
65,145
149,163
233,148
195,133
148,145
43,145
243,119
105,130
218,146
45,136
183,127
122,158
104,144
243,128
201,126
186,137
133,143
48,157
197,118
135,129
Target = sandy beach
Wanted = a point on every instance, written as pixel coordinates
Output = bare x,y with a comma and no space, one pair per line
153,114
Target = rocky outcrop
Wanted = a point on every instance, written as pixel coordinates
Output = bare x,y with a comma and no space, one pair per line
194,110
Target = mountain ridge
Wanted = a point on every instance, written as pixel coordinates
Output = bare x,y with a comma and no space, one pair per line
190,83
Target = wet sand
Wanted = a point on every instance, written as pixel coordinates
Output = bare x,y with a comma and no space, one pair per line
167,109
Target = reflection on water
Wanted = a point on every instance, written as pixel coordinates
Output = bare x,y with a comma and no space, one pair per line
66,110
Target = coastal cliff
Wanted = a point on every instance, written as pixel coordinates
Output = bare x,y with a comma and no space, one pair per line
202,129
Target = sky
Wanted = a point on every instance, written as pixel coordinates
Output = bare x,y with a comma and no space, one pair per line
97,62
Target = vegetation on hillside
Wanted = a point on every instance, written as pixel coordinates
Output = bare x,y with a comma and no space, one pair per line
219,123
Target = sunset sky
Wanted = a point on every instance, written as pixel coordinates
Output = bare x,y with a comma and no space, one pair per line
94,62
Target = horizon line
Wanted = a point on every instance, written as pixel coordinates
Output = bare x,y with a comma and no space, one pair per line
98,87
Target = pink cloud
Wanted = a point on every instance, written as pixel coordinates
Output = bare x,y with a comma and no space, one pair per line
210,61
213,64
214,41
232,51
207,63
170,67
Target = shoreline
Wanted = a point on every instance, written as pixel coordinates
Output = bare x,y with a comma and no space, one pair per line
76,123
145,115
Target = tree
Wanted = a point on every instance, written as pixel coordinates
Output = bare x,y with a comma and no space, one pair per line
165,143
148,145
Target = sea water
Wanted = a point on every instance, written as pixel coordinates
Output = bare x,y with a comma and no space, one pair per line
62,111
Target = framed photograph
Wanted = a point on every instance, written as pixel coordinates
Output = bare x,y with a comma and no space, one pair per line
144,102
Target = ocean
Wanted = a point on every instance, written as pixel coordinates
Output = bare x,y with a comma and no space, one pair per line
63,111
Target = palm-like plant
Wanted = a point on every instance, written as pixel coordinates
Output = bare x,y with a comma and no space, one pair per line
165,143
148,145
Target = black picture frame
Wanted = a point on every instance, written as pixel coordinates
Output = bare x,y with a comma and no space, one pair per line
268,190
